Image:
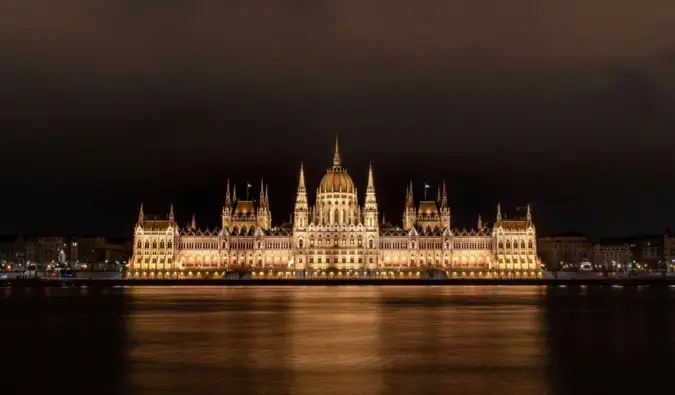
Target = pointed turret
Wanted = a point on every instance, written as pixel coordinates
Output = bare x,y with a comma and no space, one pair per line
171,215
228,198
444,196
410,212
193,224
438,195
529,213
301,208
499,213
370,217
480,222
141,215
226,217
262,193
336,157
445,209
410,202
234,193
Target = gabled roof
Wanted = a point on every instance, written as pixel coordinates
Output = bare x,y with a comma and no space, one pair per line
156,224
473,232
427,207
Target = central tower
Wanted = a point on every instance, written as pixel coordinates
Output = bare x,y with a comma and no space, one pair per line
336,198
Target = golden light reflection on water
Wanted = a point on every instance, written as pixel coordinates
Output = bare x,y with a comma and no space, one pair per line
337,340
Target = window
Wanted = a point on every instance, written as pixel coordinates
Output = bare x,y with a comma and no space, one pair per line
169,244
370,243
138,245
161,244
300,243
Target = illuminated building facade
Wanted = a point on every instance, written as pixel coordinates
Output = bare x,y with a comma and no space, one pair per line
335,236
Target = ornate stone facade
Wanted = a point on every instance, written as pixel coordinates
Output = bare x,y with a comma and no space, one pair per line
335,237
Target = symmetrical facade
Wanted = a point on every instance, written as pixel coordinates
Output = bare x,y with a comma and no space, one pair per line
335,236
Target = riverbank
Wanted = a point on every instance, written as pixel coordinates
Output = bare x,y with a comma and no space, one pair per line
646,281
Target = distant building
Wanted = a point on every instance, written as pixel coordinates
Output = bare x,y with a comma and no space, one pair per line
669,250
648,251
565,248
49,248
613,254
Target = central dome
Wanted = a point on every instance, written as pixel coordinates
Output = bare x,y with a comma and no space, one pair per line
336,178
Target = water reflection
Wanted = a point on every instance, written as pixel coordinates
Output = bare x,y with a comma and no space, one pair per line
336,340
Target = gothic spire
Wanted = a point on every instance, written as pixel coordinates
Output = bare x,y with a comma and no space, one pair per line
262,193
480,222
140,215
371,183
336,157
529,213
444,196
438,194
228,198
301,184
193,225
499,212
171,215
410,202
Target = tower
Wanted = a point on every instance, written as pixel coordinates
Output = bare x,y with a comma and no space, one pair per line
227,208
445,209
193,224
410,213
264,216
140,216
301,219
370,208
172,219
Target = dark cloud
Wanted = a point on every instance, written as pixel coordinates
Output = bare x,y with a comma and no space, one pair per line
566,105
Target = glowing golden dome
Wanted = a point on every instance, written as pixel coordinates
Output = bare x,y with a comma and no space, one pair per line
336,180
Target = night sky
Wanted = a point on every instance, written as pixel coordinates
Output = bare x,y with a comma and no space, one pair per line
567,105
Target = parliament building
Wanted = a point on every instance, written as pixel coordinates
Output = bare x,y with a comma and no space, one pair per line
335,236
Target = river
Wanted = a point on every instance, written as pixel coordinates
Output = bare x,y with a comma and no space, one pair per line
338,340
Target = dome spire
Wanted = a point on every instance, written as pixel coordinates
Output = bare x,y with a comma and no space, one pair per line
336,157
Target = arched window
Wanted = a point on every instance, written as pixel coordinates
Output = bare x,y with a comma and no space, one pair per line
529,244
161,244
169,244
259,244
501,244
370,243
147,244
413,244
138,244
508,244
300,243
154,244
522,244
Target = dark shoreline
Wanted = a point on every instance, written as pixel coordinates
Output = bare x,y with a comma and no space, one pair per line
335,282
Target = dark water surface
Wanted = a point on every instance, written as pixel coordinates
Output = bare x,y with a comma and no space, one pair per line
338,340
